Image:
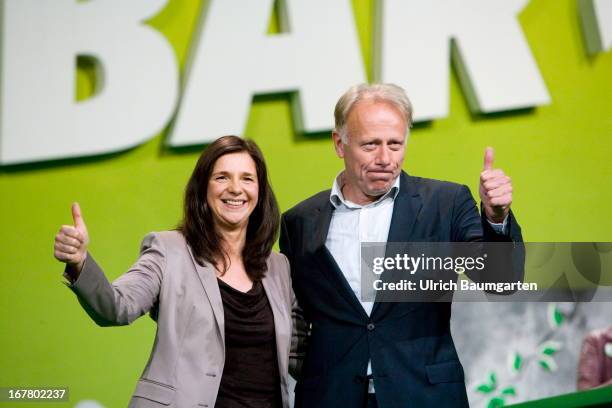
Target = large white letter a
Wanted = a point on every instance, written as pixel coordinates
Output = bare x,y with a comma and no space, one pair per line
234,59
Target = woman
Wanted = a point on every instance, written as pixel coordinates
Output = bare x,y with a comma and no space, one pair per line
220,296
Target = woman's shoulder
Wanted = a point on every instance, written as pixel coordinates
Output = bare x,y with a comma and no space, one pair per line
277,258
278,270
172,239
278,263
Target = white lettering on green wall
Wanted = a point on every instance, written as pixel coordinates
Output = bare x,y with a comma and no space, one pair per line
316,57
596,18
41,39
496,68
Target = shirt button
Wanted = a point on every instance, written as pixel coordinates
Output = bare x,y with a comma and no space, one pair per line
371,326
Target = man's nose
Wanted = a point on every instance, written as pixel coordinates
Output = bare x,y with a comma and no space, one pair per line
383,156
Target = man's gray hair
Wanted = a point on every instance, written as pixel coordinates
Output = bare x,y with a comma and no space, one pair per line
389,93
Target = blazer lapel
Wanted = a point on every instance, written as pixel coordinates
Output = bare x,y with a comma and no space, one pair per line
208,278
406,208
330,268
280,318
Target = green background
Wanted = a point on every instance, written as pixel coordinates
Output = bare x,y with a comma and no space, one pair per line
557,155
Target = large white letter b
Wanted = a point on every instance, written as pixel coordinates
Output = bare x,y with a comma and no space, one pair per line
138,79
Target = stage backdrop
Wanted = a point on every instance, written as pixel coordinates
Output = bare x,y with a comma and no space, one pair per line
558,156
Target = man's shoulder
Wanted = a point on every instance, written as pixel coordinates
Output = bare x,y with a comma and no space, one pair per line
428,187
308,205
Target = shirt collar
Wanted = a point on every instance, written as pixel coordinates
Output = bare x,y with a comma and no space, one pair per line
337,198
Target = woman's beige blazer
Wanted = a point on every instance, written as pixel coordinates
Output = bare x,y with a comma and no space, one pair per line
186,363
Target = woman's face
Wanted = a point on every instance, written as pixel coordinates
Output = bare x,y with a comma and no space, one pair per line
233,190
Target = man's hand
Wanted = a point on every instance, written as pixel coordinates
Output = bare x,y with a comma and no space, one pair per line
71,241
495,190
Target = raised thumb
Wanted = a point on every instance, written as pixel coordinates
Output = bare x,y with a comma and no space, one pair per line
488,158
77,217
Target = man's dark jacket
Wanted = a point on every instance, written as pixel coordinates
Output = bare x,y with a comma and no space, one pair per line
414,361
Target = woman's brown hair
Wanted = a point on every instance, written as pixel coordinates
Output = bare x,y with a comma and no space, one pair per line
197,225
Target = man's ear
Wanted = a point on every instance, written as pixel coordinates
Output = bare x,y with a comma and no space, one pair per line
338,144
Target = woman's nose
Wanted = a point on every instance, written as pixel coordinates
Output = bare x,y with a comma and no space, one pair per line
234,187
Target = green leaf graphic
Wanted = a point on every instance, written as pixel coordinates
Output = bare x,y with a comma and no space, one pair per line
496,402
517,362
548,363
493,379
509,391
555,316
559,317
484,388
550,347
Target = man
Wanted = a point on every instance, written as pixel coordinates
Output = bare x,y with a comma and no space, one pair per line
381,354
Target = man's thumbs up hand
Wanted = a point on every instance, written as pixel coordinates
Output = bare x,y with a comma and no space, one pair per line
495,190
488,158
71,241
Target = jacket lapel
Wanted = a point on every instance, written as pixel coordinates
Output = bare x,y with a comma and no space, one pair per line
406,208
331,269
280,318
208,278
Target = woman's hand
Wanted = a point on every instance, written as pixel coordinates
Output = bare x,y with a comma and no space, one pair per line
71,242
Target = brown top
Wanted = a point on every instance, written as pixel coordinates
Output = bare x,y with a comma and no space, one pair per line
250,375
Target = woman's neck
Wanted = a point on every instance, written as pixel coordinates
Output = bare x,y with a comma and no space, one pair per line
235,275
233,242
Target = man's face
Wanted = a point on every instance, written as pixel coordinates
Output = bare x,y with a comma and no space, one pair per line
374,153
